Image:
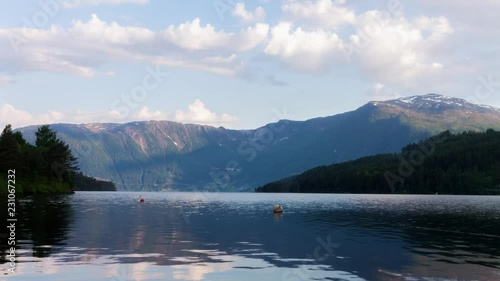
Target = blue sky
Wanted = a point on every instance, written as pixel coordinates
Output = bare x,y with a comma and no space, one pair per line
237,64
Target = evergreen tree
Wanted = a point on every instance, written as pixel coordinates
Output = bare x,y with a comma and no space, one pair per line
58,160
9,150
48,167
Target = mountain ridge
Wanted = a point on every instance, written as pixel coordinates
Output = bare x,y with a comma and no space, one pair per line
166,155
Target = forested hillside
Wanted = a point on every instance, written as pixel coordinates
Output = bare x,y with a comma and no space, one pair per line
466,163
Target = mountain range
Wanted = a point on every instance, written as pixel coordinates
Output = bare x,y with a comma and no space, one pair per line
164,155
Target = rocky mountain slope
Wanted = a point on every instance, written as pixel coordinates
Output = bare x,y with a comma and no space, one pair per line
163,155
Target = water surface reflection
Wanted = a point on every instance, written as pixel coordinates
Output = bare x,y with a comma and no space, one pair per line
186,236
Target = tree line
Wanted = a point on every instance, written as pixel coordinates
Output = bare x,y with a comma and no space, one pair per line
48,166
465,163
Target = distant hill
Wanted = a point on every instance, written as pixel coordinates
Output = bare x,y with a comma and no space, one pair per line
467,163
163,155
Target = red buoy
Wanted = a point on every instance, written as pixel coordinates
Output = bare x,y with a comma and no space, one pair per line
142,200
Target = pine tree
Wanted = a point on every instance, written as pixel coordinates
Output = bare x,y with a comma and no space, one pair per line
58,160
9,150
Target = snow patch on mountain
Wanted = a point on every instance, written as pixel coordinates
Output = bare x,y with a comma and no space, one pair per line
434,103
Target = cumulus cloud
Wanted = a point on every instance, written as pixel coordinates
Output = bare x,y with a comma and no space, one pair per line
319,13
247,16
396,51
81,3
460,14
301,49
18,117
199,114
11,115
51,116
83,47
142,114
192,35
145,114
387,46
382,45
378,87
379,92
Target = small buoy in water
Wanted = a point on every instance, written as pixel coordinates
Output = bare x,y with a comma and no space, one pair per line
142,200
277,209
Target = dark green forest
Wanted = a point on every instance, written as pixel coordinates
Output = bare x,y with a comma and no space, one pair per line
465,163
46,167
86,183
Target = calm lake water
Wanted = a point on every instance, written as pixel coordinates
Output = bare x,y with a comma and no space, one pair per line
234,236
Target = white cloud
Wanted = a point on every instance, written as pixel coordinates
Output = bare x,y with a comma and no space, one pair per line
6,80
383,45
10,115
51,116
101,32
378,87
434,45
379,92
319,13
81,3
85,46
17,117
471,24
247,16
145,114
142,114
199,114
192,35
303,50
396,51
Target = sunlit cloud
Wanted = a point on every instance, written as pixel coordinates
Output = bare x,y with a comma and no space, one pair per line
248,16
85,46
197,113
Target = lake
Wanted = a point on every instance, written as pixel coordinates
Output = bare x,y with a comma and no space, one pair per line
236,236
